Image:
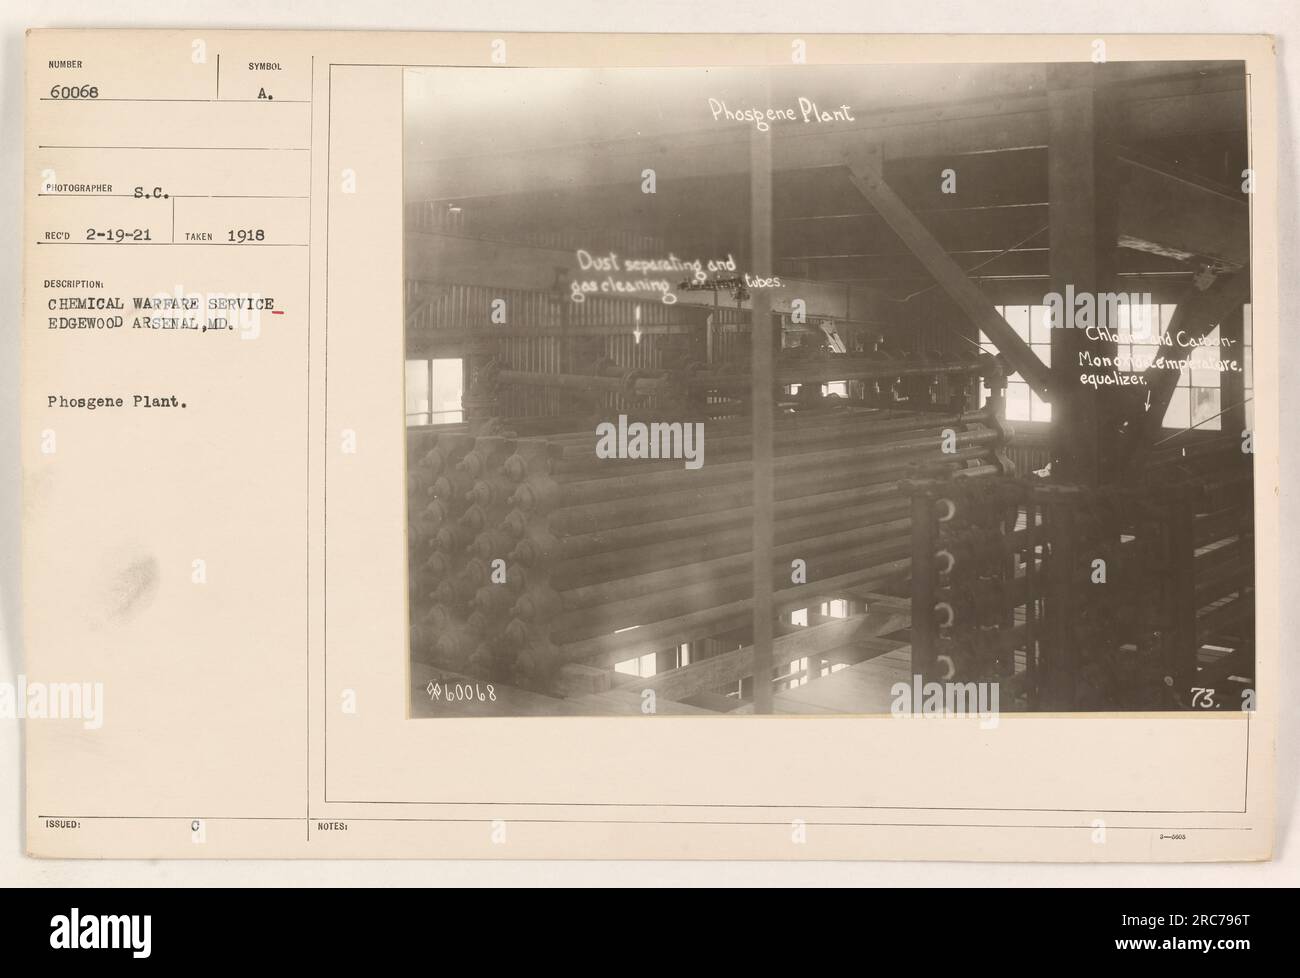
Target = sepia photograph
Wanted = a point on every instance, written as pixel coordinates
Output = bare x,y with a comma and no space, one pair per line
913,389
753,449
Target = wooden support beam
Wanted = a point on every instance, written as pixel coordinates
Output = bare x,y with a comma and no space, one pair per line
1059,671
1232,384
763,400
976,233
1181,641
925,579
1082,239
951,278
1169,213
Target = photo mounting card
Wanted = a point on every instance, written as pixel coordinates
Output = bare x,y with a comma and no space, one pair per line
670,446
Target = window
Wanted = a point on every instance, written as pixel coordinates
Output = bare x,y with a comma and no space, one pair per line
417,392
643,666
1031,324
799,673
837,387
433,391
1196,399
647,665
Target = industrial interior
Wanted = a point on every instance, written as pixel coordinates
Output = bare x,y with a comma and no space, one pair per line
903,473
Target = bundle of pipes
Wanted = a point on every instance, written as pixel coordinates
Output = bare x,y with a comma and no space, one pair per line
530,553
695,383
815,371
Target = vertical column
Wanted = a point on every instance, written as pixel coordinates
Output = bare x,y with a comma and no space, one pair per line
1181,651
1082,240
1031,604
1233,384
480,398
924,585
763,400
1061,613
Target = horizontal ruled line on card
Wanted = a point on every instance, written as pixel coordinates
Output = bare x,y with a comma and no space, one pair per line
188,244
262,101
268,149
191,196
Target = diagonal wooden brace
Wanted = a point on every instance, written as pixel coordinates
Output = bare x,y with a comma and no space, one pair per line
951,277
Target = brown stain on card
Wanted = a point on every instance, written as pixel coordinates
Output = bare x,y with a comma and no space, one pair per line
132,588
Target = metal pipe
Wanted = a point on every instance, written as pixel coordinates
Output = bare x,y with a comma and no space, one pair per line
643,534
714,621
707,547
577,463
587,383
628,586
622,487
790,429
609,617
827,370
615,513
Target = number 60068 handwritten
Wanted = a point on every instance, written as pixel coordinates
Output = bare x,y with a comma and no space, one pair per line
462,692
